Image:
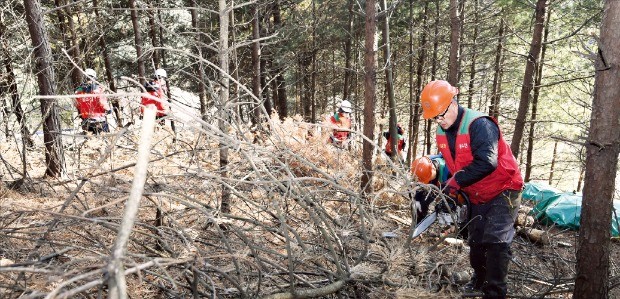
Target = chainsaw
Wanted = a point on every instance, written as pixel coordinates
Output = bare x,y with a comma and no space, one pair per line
442,212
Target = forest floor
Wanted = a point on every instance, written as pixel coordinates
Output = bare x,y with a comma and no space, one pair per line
297,225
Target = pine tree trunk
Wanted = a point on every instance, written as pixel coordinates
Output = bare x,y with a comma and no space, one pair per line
528,77
455,35
137,40
474,52
348,72
603,147
497,75
552,168
389,84
108,71
223,49
54,155
538,80
256,65
370,80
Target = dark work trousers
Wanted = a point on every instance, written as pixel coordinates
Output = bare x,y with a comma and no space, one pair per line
490,234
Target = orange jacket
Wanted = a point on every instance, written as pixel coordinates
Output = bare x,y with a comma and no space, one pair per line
342,122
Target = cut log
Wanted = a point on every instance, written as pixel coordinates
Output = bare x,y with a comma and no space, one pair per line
524,220
535,235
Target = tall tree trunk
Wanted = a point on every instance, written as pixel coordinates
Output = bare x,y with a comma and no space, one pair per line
389,85
603,147
455,34
538,80
108,71
370,80
428,123
528,82
54,155
153,36
256,69
348,72
223,99
199,66
496,91
69,38
11,84
279,81
474,52
414,118
138,40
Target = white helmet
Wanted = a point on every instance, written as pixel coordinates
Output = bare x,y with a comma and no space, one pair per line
161,73
90,73
346,106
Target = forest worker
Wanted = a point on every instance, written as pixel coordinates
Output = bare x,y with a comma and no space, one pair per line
401,141
484,168
92,105
156,87
341,123
428,170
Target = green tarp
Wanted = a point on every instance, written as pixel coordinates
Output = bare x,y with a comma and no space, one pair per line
563,209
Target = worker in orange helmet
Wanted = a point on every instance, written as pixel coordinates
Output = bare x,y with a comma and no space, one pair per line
400,146
341,124
92,105
156,88
428,170
484,168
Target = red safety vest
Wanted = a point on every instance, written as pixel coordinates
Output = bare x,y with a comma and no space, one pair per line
94,106
388,145
158,92
345,123
505,177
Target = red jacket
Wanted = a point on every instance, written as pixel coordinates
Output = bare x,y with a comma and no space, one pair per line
93,104
156,89
505,177
399,148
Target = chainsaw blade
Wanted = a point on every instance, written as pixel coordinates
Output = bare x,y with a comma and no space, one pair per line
424,224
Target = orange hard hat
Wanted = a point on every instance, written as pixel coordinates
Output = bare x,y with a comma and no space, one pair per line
436,97
422,168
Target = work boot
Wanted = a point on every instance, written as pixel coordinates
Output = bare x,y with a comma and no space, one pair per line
477,260
498,258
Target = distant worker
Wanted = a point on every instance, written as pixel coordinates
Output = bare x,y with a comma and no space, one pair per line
428,170
92,104
341,123
157,88
400,146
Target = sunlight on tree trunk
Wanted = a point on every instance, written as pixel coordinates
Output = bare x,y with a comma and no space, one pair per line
603,146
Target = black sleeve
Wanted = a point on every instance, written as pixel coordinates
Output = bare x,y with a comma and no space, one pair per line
386,135
484,138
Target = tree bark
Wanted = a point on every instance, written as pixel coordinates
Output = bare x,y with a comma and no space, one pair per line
109,71
528,82
474,52
223,55
370,78
552,168
279,80
54,156
497,75
389,85
455,34
199,66
348,72
538,80
256,64
413,97
137,40
602,148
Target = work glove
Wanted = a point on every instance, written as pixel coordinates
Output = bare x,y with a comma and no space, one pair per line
451,188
